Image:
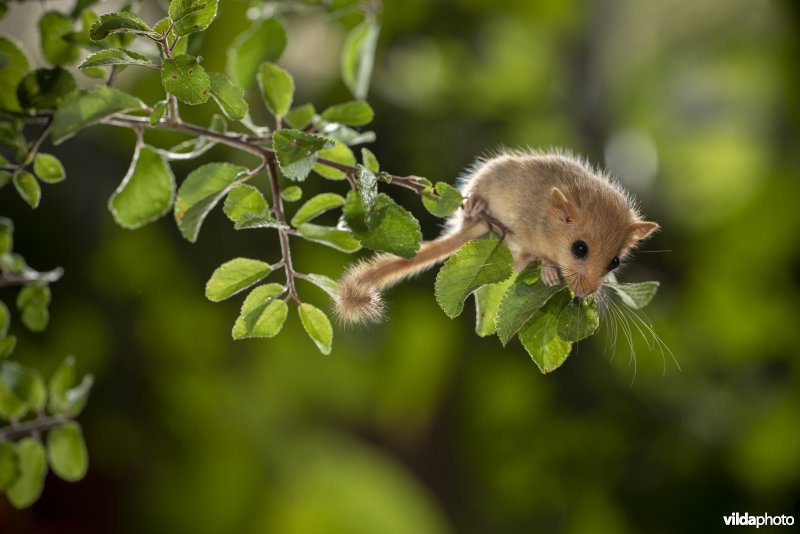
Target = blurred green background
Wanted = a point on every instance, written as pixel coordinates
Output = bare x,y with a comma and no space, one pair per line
418,425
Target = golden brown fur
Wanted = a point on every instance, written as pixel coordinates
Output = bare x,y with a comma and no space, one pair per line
547,201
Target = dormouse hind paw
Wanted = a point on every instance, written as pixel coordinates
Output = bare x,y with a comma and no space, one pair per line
550,275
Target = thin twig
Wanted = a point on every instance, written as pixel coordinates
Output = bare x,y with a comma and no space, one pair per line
33,426
280,216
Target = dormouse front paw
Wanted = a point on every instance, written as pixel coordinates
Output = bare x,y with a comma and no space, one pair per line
550,274
474,206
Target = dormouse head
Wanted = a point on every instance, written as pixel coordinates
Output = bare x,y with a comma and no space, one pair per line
594,229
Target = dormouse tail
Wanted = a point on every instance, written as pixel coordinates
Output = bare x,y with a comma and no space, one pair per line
358,299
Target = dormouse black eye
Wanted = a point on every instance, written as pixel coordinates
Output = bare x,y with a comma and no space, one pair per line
614,263
580,249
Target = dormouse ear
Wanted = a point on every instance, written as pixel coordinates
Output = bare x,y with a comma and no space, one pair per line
642,230
561,207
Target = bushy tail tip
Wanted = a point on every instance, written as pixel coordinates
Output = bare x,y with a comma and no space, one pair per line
357,302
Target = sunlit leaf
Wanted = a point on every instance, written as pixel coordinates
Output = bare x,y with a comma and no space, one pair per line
300,116
358,54
228,96
333,237
184,77
53,27
317,325
315,206
293,193
264,41
66,452
478,263
192,16
147,191
119,22
369,160
262,314
521,301
355,113
540,336
200,192
48,168
115,56
297,151
325,283
487,302
637,295
244,199
388,227
277,88
339,153
234,276
83,108
28,188
15,65
445,201
25,490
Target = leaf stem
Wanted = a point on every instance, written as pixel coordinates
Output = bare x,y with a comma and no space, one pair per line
272,170
32,426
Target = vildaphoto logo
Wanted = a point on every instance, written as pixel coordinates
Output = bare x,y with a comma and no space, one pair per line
765,520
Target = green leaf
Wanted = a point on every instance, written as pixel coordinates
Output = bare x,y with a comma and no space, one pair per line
388,227
297,151
5,319
11,406
9,465
32,302
197,146
264,41
317,325
192,16
147,191
84,108
521,301
25,490
234,276
445,201
637,295
28,188
347,135
316,206
479,262
367,183
158,112
262,315
53,27
15,65
200,192
184,77
48,168
7,346
579,319
333,237
115,56
369,160
354,113
59,384
66,452
77,396
119,22
45,88
6,235
277,88
358,55
540,336
293,193
325,283
228,96
255,220
340,153
244,199
487,302
25,384
300,116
